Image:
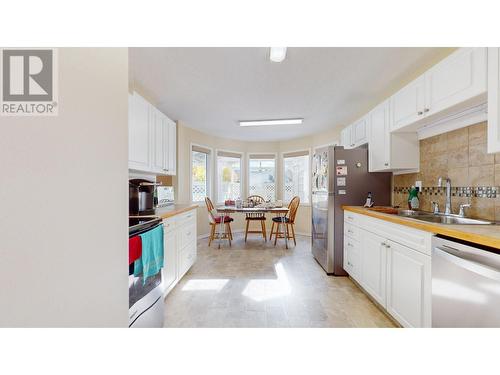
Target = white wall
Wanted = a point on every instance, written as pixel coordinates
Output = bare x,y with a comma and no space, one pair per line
64,201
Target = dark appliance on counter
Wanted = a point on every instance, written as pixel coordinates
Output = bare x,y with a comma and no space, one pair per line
146,307
141,197
340,177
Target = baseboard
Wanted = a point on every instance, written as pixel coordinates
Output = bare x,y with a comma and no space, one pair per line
202,236
303,234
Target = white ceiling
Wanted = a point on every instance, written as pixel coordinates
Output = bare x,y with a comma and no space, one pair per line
211,89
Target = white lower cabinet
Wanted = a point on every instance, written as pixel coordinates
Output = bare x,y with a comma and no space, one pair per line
374,270
392,263
170,258
408,286
180,248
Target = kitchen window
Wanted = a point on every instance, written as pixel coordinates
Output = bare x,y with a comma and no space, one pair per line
262,176
200,173
228,176
296,176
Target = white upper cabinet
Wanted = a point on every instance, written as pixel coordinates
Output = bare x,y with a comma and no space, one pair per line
459,78
408,104
390,151
171,159
159,145
355,135
454,85
359,129
139,136
345,137
379,143
493,100
152,138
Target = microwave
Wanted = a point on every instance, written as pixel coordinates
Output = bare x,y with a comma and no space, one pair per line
165,195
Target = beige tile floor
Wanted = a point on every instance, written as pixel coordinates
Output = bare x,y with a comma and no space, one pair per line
259,285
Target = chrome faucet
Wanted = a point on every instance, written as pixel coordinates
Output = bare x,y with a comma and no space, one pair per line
447,207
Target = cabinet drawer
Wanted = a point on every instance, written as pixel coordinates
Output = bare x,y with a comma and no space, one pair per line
188,217
169,224
413,238
353,218
187,235
352,231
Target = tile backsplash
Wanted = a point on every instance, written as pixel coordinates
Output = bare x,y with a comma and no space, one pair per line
461,156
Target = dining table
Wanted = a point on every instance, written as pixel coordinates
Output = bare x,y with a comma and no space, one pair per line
225,210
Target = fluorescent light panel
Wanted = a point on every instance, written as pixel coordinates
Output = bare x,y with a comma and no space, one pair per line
290,121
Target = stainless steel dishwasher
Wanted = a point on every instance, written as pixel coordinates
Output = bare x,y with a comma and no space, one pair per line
465,285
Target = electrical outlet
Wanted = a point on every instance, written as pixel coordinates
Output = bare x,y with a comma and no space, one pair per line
418,184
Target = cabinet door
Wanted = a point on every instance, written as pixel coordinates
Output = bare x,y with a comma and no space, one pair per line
459,77
493,100
374,262
158,141
172,147
139,133
380,142
408,286
407,105
359,135
345,137
170,258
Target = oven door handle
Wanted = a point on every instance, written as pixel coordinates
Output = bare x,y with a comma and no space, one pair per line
453,255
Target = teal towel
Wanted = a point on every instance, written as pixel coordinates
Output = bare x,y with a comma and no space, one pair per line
151,261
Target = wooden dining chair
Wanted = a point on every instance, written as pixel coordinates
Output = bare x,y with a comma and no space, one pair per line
293,206
256,216
214,220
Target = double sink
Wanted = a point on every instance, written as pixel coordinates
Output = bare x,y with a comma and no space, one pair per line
441,218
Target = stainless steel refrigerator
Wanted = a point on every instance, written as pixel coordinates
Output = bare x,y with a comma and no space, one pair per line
340,177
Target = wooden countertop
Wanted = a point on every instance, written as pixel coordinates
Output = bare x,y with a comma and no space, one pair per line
175,209
487,235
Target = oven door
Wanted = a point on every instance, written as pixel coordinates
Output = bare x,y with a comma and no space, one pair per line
146,305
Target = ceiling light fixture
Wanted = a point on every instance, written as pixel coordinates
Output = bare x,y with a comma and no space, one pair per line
277,54
290,121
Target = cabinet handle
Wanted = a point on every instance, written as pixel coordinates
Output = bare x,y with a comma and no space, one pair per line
386,164
349,231
426,109
420,113
350,217
349,244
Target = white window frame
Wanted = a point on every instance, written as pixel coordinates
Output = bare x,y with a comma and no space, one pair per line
209,171
216,172
276,172
282,157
